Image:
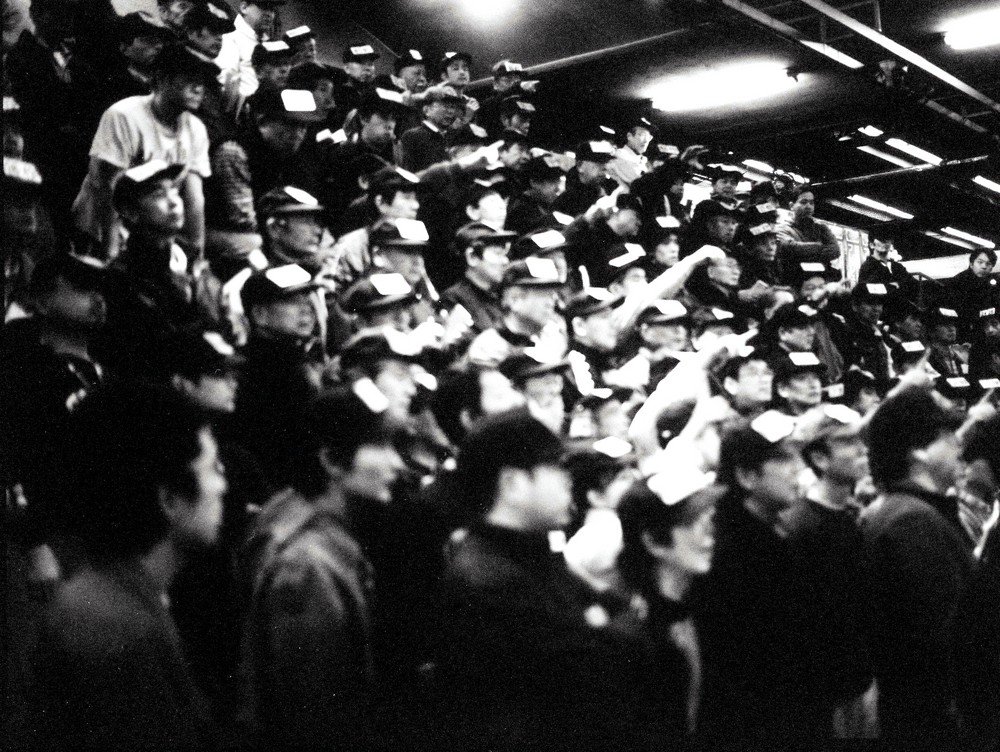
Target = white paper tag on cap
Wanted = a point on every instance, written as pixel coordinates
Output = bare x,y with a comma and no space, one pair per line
767,207
989,383
914,346
601,293
275,46
301,196
612,446
298,100
761,229
813,266
400,343
542,268
670,149
601,147
412,229
10,104
427,380
548,239
366,391
389,95
628,257
876,288
217,343
673,308
525,106
362,49
841,414
477,130
140,173
957,382
835,391
561,218
808,310
773,426
298,31
220,13
290,275
415,54
390,284
721,314
407,175
18,169
803,358
609,131
987,312
324,135
668,222
949,312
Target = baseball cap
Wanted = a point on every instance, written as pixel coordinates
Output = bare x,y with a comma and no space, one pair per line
137,181
408,58
175,59
287,200
590,301
359,52
533,271
403,234
294,105
378,292
274,284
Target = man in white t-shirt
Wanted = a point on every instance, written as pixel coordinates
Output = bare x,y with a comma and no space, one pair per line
138,129
253,26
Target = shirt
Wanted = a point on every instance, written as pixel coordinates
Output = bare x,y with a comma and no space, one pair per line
627,166
238,78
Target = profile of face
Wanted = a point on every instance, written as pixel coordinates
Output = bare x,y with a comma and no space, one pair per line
273,75
305,52
323,95
73,306
443,114
590,172
598,330
869,312
797,338
515,157
912,328
491,210
981,265
639,139
414,78
721,229
691,546
284,136
214,392
632,280
373,472
551,499
944,334
802,390
297,237
804,206
159,211
294,316
533,305
548,190
491,263
362,71
402,205
725,271
725,186
205,41
775,483
196,520
395,380
941,460
844,461
668,251
410,265
753,384
379,129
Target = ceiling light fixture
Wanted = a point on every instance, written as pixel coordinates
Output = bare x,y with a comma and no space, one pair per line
760,166
879,206
974,31
870,213
834,54
871,130
887,157
971,238
946,239
913,151
986,183
727,85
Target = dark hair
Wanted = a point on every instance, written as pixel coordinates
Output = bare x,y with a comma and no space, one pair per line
129,443
459,389
799,190
990,253
742,447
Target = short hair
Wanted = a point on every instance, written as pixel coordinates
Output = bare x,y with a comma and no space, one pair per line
130,442
990,253
799,190
459,389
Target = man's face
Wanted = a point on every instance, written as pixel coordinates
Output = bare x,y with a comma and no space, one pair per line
668,251
597,330
945,334
404,205
496,394
666,336
726,186
776,481
551,500
991,327
766,247
259,18
395,381
880,249
813,289
981,265
362,71
804,206
910,327
305,52
638,140
752,385
443,113
520,122
626,223
725,271
457,73
535,305
414,78
504,83
590,172
492,262
172,13
399,318
142,51
323,94
941,460
205,41
692,546
491,210
294,316
548,190
847,461
273,75
373,472
515,157
160,211
198,526
297,236
73,306
213,392
185,91
633,280
802,390
722,229
797,338
868,312
284,136
410,265
379,129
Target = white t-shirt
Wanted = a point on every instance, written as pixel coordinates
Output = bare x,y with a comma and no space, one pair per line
130,135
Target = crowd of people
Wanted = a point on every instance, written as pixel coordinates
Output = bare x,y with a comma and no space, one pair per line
338,412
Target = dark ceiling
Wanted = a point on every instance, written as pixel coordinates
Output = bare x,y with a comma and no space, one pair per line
598,61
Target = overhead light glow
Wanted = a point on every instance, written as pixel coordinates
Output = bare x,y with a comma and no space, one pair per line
946,239
870,213
844,138
879,206
887,157
833,54
971,238
913,151
986,183
974,31
761,166
709,88
871,130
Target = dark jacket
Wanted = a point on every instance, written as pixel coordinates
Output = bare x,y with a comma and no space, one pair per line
421,147
482,305
920,565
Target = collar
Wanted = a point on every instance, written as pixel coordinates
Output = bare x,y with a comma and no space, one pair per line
519,544
244,29
947,506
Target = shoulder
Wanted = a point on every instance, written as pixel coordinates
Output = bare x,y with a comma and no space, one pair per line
477,564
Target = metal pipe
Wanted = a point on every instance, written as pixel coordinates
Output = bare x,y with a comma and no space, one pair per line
902,171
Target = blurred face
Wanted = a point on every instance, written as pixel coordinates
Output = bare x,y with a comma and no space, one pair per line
520,122
867,400
395,381
505,82
285,137
597,330
551,500
160,211
911,328
379,129
726,186
143,50
804,206
803,390
868,312
721,229
400,319
492,263
274,75
297,236
991,327
668,252
776,481
212,392
443,114
692,545
752,385
536,306
633,280
305,52
404,205
182,91
590,172
198,524
612,420
665,336
548,190
639,139
373,472
362,71
725,271
497,394
457,73
259,18
545,399
766,247
414,78
847,461
813,289
491,209
515,156
323,94
945,334
626,223
941,460
294,316
981,265
880,249
172,13
797,339
74,307
410,265
207,42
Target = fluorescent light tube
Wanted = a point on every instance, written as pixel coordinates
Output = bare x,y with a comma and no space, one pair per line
879,206
871,130
887,157
971,238
913,151
986,183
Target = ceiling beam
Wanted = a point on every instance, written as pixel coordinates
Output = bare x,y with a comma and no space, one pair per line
902,171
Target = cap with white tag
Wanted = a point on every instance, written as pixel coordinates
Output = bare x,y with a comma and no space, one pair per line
140,180
274,284
358,53
287,199
664,312
401,234
773,425
299,34
373,345
669,222
679,484
378,292
533,271
633,252
590,301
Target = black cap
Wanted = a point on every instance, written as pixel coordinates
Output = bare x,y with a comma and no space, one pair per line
442,93
372,346
214,16
378,292
408,58
870,292
516,105
799,273
272,53
791,316
133,25
402,234
533,271
792,364
176,59
665,312
601,152
298,35
479,235
449,57
307,75
346,417
538,168
724,170
541,242
199,352
590,301
293,105
507,68
82,271
710,208
938,316
523,365
277,283
287,200
388,102
137,181
357,52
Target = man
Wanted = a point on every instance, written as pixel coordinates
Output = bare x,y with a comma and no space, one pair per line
942,338
302,40
380,300
308,647
724,179
359,79
798,382
520,665
136,130
593,334
711,224
293,227
426,144
921,562
254,25
204,27
805,239
507,82
149,485
881,268
584,184
596,238
456,70
857,335
272,62
464,395
486,253
748,380
516,114
532,208
630,160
